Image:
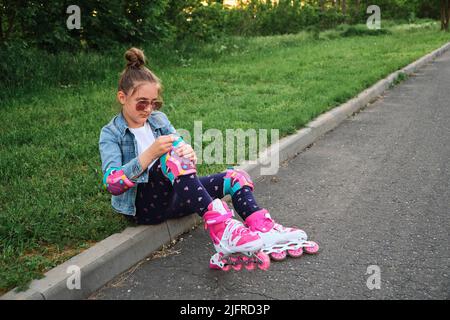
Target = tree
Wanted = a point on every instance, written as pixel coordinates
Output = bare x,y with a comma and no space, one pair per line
103,23
322,5
8,18
445,14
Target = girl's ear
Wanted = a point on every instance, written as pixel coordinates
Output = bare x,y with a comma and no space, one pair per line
121,97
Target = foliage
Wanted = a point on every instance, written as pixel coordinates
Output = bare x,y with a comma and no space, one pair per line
107,23
103,23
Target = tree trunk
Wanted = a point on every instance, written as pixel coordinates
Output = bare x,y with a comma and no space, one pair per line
444,14
344,6
11,20
322,5
1,28
447,16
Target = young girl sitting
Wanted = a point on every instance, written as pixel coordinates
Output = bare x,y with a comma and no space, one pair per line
151,173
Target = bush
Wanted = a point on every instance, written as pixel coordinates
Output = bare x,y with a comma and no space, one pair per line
330,19
203,23
240,21
361,30
106,24
281,18
103,23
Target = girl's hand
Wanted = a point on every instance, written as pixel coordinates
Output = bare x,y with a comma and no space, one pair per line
187,152
162,145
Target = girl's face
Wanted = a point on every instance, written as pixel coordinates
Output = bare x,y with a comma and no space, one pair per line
138,106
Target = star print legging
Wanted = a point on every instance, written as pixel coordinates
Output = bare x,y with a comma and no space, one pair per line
159,200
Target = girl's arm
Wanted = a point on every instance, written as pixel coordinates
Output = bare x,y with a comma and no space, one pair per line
184,150
117,178
161,145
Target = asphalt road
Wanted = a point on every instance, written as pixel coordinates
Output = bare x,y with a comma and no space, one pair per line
374,191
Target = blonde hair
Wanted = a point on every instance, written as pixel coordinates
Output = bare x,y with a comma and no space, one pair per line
136,72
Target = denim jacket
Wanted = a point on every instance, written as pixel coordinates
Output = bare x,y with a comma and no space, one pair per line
118,148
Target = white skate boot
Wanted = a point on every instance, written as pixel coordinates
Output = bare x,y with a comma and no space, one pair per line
278,240
235,244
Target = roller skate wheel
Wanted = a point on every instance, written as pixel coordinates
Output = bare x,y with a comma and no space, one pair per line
312,248
248,263
265,261
278,256
226,267
214,266
236,265
295,253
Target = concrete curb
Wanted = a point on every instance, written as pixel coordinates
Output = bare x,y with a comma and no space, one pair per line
117,253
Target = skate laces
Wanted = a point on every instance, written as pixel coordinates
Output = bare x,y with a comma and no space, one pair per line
235,229
280,228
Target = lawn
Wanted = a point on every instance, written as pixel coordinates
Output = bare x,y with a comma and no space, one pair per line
52,205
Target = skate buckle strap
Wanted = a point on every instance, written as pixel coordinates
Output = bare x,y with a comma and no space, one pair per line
219,218
260,221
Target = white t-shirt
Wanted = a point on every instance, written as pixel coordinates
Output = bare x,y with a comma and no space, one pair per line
144,138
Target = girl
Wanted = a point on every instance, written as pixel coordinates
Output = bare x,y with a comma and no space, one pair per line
151,173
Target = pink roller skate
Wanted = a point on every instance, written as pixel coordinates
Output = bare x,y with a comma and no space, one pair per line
235,244
279,241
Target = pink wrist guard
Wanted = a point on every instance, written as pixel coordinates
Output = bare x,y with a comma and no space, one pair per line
115,181
173,165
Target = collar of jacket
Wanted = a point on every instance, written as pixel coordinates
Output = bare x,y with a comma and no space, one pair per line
154,120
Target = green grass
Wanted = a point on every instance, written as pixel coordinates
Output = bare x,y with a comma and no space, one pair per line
51,202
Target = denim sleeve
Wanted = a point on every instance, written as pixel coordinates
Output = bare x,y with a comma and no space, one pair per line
171,128
168,127
111,156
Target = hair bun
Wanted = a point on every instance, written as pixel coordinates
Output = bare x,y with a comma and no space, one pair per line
135,58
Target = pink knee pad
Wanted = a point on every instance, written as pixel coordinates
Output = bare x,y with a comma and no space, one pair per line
173,165
115,181
236,179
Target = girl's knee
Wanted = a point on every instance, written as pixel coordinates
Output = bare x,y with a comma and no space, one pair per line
236,179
